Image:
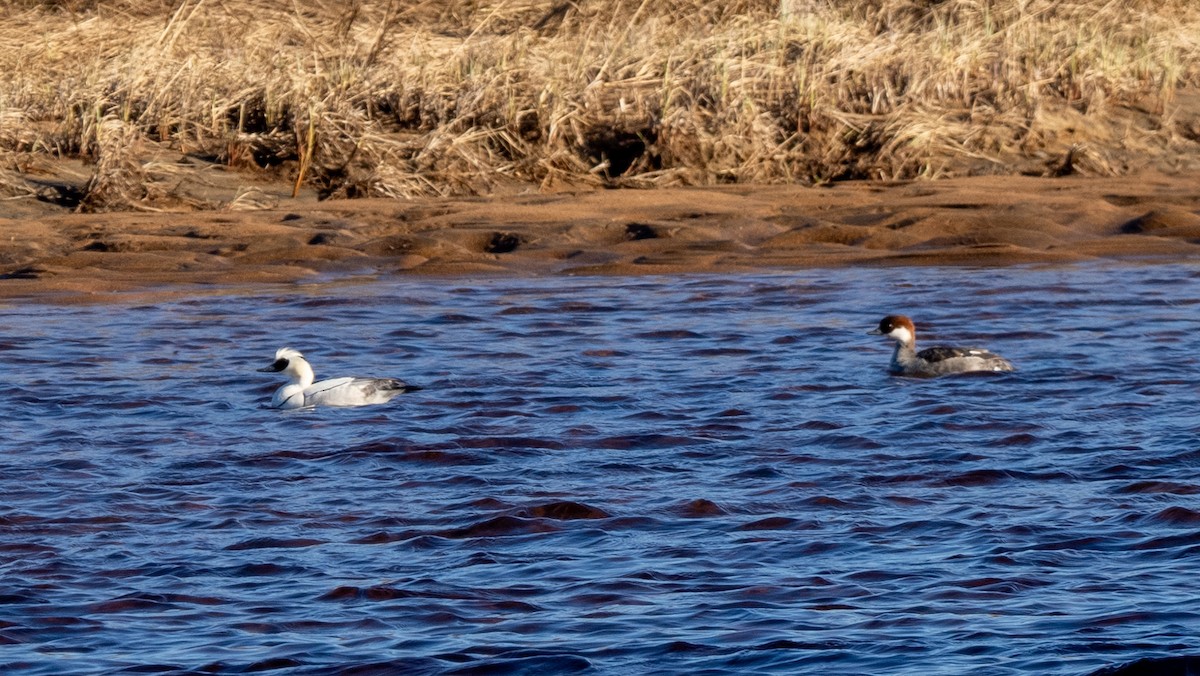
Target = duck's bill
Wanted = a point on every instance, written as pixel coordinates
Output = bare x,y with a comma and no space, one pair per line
874,332
279,365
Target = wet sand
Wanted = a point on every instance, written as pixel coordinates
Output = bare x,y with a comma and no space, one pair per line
985,221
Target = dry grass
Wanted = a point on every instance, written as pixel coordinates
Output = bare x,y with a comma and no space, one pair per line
416,97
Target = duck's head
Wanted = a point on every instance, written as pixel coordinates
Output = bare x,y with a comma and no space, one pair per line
897,327
287,360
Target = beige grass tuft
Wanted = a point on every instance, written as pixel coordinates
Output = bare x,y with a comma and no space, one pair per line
119,181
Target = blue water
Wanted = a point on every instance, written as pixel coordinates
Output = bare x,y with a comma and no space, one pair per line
702,474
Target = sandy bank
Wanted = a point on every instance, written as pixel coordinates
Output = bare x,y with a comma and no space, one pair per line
976,221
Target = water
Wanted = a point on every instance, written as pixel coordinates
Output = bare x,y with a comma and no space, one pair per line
614,475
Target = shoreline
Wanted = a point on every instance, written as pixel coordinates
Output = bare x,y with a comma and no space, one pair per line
980,221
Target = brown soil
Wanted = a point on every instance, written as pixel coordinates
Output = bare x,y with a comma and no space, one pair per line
986,221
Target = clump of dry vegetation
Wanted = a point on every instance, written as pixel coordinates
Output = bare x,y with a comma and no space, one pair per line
418,97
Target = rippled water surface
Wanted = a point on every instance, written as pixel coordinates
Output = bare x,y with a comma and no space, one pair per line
608,475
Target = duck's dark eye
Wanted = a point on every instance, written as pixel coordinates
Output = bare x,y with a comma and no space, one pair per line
279,365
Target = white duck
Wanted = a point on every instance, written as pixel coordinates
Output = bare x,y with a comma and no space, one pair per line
302,392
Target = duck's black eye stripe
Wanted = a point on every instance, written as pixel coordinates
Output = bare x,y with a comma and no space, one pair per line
280,364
